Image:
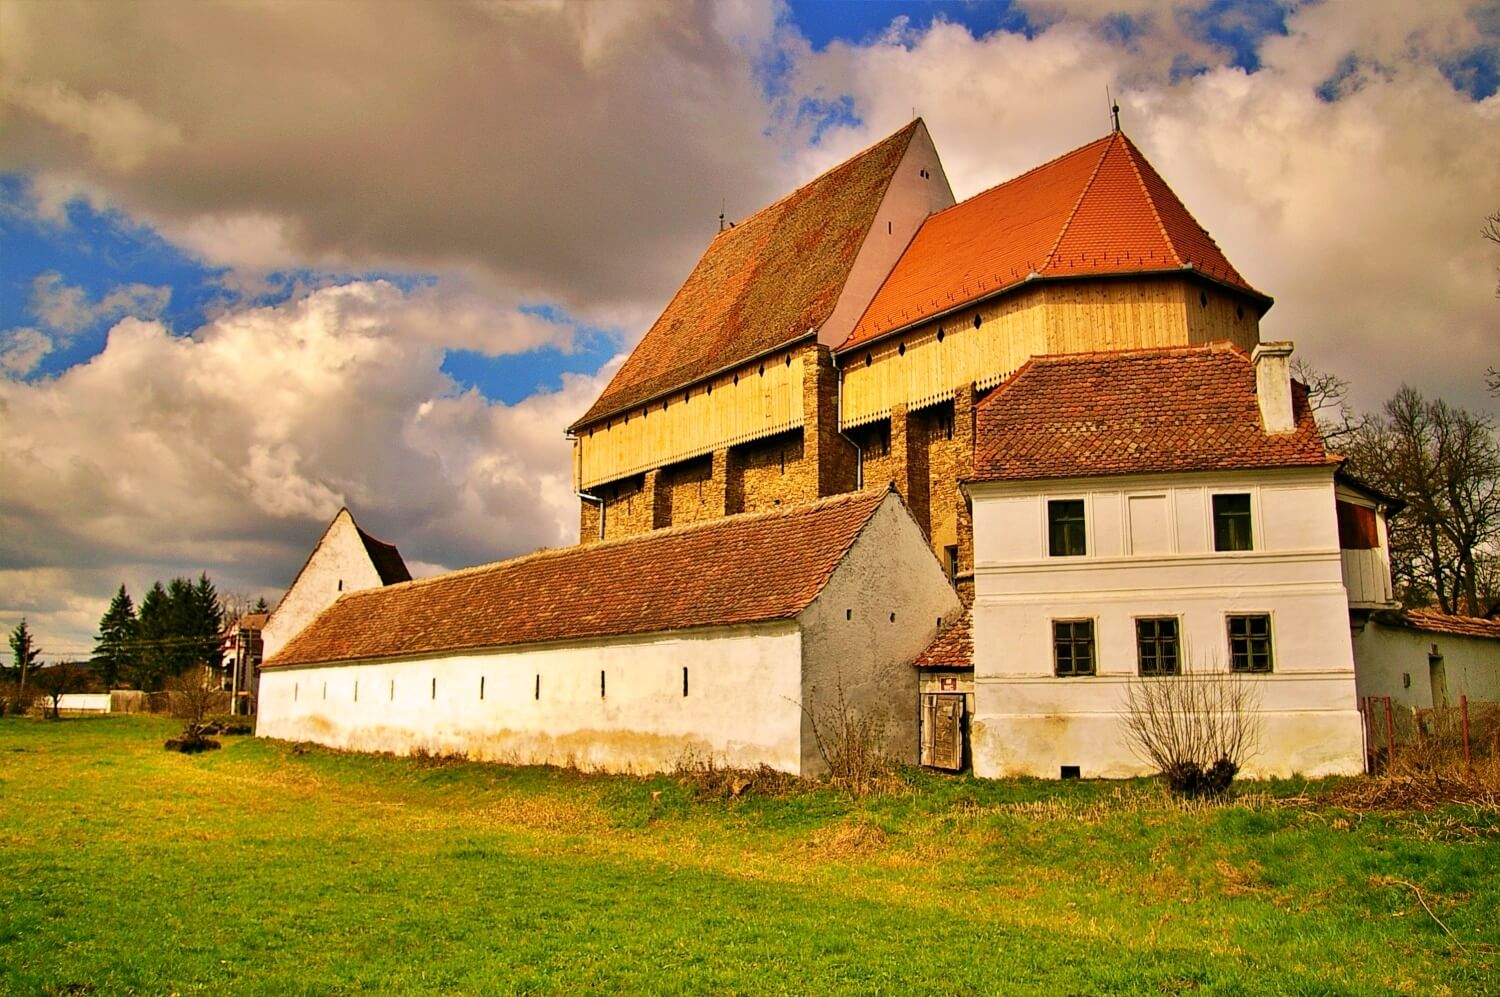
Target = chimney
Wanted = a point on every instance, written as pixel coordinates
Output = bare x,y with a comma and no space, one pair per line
1273,386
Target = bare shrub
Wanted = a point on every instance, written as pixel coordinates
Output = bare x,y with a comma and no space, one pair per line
436,758
852,744
14,700
709,780
194,696
1197,728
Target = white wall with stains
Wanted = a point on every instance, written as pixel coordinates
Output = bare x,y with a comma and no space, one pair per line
543,704
882,606
1150,554
1421,669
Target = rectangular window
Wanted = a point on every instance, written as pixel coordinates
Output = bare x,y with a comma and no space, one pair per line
1232,522
1073,647
950,556
684,680
1156,645
1250,643
1065,528
1357,529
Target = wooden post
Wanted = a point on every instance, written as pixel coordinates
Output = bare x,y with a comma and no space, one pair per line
1463,713
1390,737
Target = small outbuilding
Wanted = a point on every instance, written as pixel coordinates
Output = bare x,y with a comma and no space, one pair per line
725,640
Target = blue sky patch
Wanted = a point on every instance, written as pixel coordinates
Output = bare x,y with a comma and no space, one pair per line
513,377
861,21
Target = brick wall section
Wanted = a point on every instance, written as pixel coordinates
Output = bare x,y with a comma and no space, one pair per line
688,493
628,507
765,474
877,454
832,456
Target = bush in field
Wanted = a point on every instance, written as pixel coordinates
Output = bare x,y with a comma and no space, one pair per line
13,700
193,696
1197,728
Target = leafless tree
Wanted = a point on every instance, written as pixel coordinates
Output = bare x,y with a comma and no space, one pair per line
851,741
1491,231
1198,728
58,680
193,696
1327,396
1444,463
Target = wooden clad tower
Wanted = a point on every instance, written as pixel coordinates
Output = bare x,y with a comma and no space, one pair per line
840,337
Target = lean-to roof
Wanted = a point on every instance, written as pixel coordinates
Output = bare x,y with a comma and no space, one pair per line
744,569
1136,412
953,647
761,285
1098,210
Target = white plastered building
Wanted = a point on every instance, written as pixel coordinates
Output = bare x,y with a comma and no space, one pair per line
1139,516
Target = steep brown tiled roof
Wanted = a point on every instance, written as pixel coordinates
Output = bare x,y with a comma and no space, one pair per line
1176,409
744,569
1438,622
1098,210
953,647
762,284
389,564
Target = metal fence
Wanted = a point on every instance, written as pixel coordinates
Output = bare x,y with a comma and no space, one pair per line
1459,738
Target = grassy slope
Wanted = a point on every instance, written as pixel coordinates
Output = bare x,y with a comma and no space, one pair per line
257,869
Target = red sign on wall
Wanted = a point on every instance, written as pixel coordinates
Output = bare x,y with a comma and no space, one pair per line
948,682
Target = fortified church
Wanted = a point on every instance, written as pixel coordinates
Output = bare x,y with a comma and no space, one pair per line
968,468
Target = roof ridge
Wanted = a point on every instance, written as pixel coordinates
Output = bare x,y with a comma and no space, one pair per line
550,552
1131,154
1087,186
1018,177
754,216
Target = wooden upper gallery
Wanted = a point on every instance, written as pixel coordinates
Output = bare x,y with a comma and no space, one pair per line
873,268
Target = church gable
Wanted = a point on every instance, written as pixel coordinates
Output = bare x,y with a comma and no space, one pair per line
1100,210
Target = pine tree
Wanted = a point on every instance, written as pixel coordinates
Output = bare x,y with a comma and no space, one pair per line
260,606
149,666
24,650
206,623
116,649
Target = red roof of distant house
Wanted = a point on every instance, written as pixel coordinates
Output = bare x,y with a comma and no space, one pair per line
1098,210
1437,621
953,647
762,284
1135,412
743,569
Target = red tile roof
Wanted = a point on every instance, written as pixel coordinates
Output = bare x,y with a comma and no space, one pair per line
762,284
953,647
1438,622
1174,409
1099,210
743,569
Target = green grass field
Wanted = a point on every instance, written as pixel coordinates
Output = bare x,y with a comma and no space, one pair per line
267,869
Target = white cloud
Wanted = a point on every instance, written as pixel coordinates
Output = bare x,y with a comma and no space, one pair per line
65,309
22,349
228,450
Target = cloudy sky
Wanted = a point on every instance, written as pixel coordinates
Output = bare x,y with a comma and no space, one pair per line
258,260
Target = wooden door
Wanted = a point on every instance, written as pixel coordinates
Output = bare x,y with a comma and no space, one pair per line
943,731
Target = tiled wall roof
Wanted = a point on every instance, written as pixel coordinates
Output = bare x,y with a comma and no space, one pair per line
743,569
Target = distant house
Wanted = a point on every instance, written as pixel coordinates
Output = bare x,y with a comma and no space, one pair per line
1425,658
722,640
1140,515
345,559
240,656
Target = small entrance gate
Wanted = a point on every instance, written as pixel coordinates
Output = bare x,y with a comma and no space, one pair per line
943,730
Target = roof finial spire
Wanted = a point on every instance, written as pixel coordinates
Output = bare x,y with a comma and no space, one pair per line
1114,109
721,215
